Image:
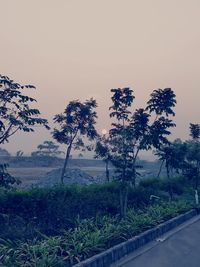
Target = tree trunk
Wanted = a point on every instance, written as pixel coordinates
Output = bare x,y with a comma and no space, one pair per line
65,164
107,171
196,197
133,182
170,190
134,175
161,165
167,168
123,200
169,181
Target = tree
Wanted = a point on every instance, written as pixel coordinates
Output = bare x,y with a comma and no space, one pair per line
7,180
19,153
173,156
4,153
16,114
135,131
75,123
195,131
102,151
15,111
47,149
192,160
162,101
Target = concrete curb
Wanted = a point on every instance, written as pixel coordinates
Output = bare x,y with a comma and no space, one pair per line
115,253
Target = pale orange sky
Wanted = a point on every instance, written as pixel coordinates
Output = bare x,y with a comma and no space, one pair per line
76,49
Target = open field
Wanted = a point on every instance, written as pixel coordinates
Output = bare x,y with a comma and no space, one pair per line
29,176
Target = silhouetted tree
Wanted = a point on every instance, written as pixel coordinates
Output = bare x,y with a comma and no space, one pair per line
6,179
19,153
76,122
4,153
48,149
195,131
135,131
162,101
192,160
16,114
173,156
15,111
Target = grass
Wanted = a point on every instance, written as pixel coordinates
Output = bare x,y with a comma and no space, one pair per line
89,237
60,226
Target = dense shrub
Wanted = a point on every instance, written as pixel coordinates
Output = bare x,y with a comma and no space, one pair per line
178,185
25,212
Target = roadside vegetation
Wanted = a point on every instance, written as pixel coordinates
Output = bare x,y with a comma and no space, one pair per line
63,225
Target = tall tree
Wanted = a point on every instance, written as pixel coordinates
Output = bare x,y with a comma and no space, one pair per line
122,100
74,124
16,114
137,130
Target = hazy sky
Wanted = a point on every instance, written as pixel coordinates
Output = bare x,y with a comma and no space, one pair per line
76,49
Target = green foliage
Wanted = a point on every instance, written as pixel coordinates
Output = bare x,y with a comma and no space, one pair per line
16,114
76,122
162,101
191,167
158,186
47,149
137,130
195,131
173,155
4,153
49,210
89,237
7,180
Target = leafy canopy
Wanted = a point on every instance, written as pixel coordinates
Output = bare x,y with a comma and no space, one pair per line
77,120
162,101
195,131
16,114
47,148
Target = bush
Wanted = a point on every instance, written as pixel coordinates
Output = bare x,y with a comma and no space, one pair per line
90,237
25,212
177,185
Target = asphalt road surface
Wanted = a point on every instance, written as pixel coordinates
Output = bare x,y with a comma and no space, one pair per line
180,248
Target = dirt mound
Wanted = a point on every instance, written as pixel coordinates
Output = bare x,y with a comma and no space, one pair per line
72,176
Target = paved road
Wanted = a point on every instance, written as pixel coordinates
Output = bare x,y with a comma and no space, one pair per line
178,249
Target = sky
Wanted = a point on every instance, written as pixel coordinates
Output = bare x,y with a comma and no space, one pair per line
75,49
